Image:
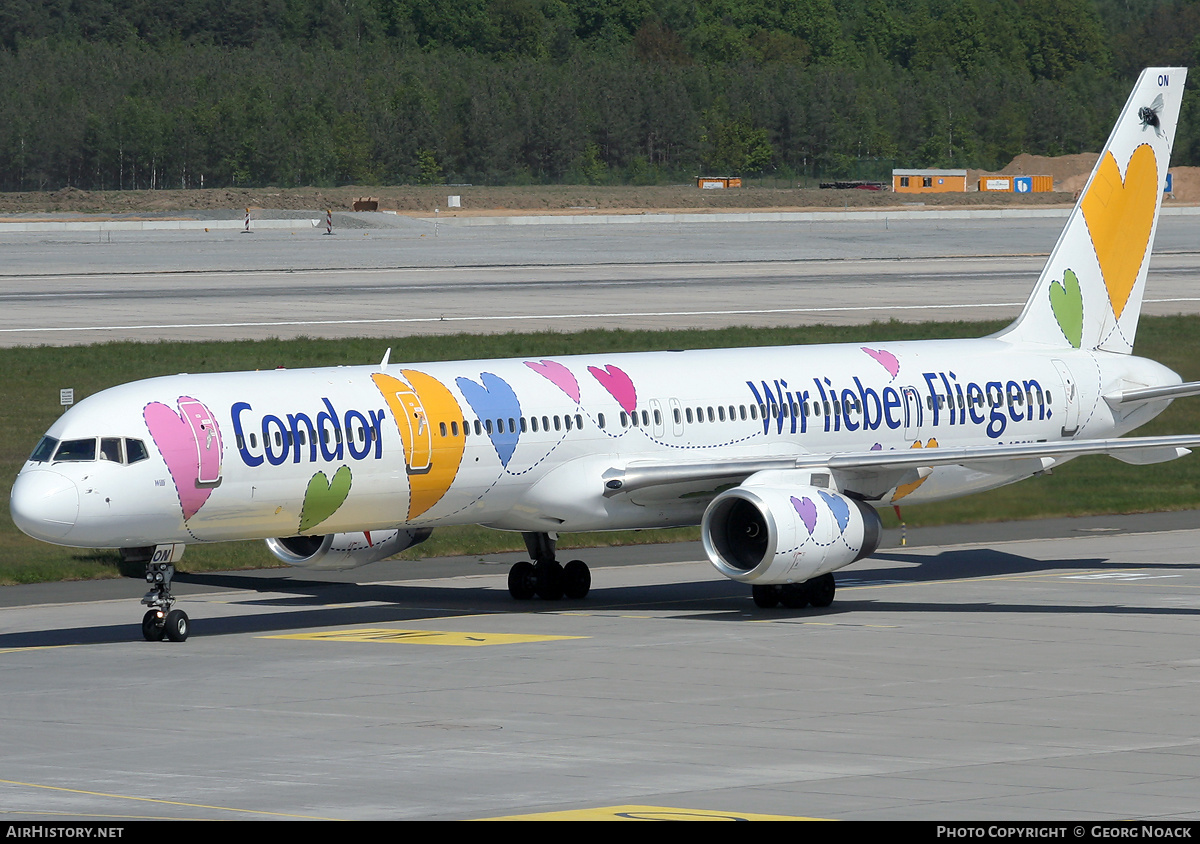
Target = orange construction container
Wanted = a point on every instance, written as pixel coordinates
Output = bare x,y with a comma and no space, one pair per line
718,182
929,181
1017,184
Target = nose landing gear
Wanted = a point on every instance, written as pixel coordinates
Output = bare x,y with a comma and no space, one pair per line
161,620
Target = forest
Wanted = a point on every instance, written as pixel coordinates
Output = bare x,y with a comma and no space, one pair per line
132,94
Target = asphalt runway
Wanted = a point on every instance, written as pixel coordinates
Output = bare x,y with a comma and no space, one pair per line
1047,677
399,278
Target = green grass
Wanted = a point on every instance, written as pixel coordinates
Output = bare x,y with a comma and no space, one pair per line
30,379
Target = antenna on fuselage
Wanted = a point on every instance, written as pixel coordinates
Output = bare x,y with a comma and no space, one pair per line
386,356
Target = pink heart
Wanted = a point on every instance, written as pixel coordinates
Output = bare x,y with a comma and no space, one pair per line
190,443
618,384
885,359
807,511
558,375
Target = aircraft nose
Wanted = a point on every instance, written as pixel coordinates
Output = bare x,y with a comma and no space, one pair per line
44,504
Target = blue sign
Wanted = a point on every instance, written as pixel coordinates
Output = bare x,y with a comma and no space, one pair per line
1023,184
1167,186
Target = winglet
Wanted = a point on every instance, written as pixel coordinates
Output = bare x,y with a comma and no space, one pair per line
1089,295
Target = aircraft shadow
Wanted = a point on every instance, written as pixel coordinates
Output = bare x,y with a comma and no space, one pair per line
312,603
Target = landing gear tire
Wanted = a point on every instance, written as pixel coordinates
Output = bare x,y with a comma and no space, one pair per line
821,589
522,581
576,579
794,596
152,628
176,626
766,597
549,581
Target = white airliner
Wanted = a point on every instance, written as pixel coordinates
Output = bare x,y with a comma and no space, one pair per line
781,454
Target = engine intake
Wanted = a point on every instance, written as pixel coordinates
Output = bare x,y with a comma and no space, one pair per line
338,551
775,533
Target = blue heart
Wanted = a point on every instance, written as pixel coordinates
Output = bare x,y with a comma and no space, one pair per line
841,510
495,401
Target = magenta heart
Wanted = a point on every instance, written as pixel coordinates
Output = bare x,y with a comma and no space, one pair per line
189,441
558,375
618,384
885,359
807,511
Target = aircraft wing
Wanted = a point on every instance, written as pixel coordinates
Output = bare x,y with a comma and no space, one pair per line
1001,459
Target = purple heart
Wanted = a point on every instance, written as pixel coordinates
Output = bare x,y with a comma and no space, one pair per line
807,511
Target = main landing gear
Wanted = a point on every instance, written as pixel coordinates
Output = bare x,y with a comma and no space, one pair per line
796,596
160,620
545,577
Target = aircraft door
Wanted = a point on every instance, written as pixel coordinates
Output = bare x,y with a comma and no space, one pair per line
208,441
656,419
1070,423
419,455
913,413
676,418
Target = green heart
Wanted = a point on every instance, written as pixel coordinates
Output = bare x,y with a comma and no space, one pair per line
1066,301
323,497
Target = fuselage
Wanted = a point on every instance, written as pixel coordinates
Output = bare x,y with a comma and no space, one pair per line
524,444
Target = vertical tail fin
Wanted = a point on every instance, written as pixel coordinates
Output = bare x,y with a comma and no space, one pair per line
1089,295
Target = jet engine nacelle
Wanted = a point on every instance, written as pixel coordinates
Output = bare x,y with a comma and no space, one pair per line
774,533
338,551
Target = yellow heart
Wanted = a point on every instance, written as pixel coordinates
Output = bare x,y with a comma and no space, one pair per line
1119,215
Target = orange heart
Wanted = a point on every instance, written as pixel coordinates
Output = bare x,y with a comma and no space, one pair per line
909,488
1119,215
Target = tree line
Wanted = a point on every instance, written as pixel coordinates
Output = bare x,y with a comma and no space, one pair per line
120,94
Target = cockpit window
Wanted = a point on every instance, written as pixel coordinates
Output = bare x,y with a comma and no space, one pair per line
74,450
135,450
113,449
110,449
45,449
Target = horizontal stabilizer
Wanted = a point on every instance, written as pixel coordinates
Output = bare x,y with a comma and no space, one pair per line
1172,391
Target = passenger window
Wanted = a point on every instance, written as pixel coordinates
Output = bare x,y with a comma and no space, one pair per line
533,421
567,420
579,421
600,421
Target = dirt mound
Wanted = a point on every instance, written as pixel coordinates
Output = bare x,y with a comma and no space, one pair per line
1069,172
